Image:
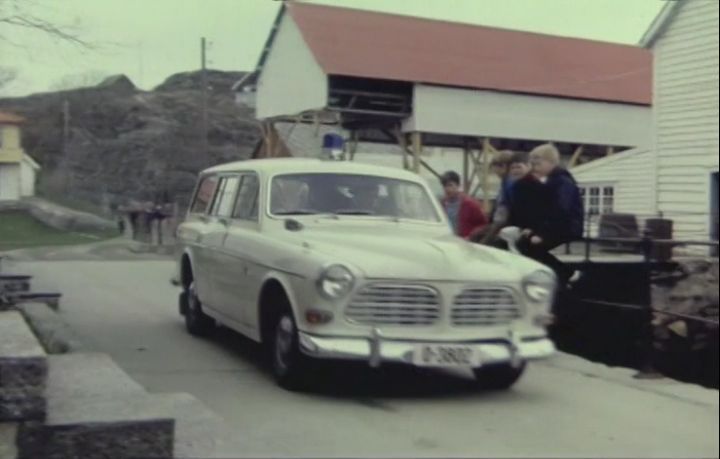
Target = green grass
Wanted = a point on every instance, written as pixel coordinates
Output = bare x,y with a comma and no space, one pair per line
18,230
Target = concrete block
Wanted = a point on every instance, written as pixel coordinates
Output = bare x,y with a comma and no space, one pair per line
55,335
23,370
132,438
95,410
86,376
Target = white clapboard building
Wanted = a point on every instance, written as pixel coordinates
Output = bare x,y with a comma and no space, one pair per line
676,175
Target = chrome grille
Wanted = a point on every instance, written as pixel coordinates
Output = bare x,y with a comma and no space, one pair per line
387,304
485,306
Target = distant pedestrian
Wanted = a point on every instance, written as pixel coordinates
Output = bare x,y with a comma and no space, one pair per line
465,214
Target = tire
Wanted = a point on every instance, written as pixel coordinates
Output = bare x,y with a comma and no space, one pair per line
498,377
290,367
183,302
197,322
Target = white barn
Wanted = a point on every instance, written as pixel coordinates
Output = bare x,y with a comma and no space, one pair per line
441,86
676,175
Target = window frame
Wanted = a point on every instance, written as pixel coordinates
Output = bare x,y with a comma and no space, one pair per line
602,196
256,219
220,192
209,205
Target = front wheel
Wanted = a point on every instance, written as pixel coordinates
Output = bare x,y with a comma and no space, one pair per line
498,377
290,367
197,322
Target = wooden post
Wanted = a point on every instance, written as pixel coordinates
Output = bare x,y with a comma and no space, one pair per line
402,141
486,175
610,151
270,141
416,150
466,168
575,157
353,144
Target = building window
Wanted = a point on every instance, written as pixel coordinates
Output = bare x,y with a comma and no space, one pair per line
598,199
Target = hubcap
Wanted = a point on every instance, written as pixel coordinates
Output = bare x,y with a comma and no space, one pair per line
283,342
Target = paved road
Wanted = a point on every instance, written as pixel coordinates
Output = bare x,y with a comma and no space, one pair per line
563,407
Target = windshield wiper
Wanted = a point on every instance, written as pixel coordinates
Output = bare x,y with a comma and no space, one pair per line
296,212
353,212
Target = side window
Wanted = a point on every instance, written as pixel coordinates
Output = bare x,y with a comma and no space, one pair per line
246,206
225,198
204,195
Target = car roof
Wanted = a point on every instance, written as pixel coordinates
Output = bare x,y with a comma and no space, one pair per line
310,165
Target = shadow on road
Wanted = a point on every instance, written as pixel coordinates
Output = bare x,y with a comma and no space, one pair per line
356,379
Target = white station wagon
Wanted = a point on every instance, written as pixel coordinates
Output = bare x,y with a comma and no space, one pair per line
338,260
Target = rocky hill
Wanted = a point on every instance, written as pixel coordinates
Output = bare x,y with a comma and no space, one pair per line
126,144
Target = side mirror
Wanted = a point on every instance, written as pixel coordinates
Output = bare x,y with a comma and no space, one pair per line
293,225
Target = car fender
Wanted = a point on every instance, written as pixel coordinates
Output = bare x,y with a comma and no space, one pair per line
286,282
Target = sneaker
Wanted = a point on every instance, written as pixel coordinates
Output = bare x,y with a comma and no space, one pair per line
577,275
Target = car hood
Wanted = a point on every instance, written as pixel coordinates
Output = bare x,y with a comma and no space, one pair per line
407,255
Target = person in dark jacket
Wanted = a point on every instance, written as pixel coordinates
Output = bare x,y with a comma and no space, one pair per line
516,166
466,217
547,206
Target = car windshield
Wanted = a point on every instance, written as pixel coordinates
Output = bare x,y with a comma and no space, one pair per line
350,194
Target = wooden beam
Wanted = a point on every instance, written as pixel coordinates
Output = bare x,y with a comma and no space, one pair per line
610,151
402,141
416,150
575,157
431,170
486,174
476,168
353,144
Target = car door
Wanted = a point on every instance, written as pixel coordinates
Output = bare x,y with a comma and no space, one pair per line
214,239
194,230
240,245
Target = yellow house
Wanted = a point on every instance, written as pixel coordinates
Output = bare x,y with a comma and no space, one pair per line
17,169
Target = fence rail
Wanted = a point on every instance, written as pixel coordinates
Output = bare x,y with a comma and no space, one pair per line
646,246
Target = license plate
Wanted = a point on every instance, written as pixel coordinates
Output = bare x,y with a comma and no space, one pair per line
446,355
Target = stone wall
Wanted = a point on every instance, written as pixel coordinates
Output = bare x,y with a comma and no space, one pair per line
684,348
692,289
63,401
65,219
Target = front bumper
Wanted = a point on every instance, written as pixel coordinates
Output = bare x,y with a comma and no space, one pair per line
376,349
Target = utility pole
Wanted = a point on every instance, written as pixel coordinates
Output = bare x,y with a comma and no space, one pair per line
204,83
65,140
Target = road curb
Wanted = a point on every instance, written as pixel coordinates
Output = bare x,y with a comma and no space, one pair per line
52,331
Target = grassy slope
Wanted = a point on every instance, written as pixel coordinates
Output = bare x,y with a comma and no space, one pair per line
19,230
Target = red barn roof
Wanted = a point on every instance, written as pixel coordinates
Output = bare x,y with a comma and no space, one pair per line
367,44
9,118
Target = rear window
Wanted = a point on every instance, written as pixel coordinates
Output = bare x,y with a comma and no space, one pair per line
204,195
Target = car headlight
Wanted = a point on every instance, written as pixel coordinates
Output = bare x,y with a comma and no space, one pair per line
335,282
540,286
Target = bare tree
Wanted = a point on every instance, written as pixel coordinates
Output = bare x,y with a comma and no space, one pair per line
79,80
21,14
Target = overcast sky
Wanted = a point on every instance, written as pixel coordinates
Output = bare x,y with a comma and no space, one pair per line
150,39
